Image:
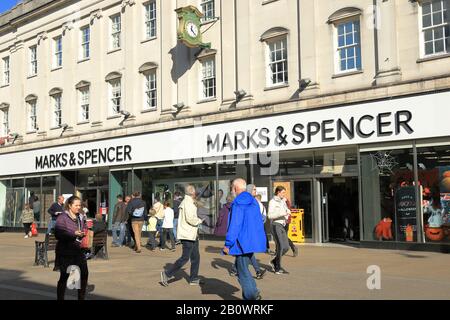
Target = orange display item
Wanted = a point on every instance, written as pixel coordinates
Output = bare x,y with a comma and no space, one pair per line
383,230
409,233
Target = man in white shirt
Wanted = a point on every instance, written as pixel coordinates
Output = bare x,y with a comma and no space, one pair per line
167,227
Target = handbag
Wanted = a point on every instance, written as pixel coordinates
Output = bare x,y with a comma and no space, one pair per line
85,242
34,231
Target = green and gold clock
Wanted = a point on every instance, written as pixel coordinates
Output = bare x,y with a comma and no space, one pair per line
189,27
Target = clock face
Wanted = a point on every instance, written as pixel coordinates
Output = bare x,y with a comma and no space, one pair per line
192,30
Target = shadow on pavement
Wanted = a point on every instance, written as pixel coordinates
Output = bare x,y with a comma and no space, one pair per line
210,286
211,249
14,286
414,256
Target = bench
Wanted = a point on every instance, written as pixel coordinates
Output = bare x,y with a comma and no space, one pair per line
99,248
41,249
100,245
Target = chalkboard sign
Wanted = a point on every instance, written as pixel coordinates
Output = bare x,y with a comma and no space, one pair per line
405,211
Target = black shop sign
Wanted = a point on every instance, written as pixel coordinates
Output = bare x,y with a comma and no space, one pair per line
406,211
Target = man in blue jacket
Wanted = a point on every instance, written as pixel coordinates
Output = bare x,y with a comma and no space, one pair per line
245,236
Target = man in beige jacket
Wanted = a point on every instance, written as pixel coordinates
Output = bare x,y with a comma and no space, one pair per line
187,233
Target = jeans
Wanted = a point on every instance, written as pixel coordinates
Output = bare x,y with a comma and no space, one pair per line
175,226
248,284
282,243
190,252
166,232
51,225
254,263
291,244
118,226
159,226
152,240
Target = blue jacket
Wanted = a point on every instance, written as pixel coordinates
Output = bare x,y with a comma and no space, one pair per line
245,232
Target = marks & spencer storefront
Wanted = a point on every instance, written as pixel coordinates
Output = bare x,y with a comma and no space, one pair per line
347,168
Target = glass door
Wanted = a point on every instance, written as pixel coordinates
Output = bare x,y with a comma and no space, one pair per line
324,200
303,200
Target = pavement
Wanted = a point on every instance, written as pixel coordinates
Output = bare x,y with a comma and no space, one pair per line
331,272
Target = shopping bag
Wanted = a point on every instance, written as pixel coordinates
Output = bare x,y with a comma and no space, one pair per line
85,241
34,231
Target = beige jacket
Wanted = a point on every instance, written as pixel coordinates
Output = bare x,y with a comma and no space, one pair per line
159,208
278,211
188,221
27,216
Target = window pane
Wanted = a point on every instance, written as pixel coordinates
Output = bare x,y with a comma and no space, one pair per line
358,58
426,21
341,41
351,52
428,35
437,18
351,64
429,48
437,5
349,39
426,8
439,46
438,33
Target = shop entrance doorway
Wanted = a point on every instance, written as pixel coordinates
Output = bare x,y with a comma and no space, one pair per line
96,200
340,209
302,199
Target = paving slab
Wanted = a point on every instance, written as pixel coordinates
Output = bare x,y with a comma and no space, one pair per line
327,272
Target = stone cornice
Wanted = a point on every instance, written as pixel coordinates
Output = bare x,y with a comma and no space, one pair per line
41,36
126,3
361,95
97,14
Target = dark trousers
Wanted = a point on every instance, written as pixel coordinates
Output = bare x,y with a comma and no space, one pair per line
165,232
27,227
291,244
152,240
190,252
282,243
62,283
130,232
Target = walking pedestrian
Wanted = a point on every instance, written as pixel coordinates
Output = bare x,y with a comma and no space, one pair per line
36,209
152,221
187,232
119,222
279,214
245,236
167,227
222,220
68,232
258,197
55,210
130,241
176,210
288,222
136,210
159,208
251,188
27,219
